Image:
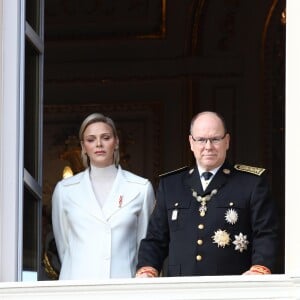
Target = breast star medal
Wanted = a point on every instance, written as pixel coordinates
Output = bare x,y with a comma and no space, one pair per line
203,200
240,242
221,238
231,216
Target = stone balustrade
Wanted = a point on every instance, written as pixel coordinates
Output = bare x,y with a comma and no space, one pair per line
180,288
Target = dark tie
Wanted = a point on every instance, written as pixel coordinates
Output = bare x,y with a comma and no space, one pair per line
207,175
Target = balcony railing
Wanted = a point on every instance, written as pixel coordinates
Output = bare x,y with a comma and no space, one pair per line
179,288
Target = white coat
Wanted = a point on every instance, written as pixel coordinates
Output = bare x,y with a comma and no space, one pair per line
95,242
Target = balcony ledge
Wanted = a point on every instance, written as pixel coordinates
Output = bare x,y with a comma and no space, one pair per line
179,288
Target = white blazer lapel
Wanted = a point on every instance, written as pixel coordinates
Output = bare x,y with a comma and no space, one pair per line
86,197
121,194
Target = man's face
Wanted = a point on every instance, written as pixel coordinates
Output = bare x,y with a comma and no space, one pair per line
209,141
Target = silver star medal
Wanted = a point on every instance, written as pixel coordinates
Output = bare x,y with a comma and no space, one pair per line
240,242
231,216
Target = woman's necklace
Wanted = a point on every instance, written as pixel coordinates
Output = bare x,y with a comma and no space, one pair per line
203,200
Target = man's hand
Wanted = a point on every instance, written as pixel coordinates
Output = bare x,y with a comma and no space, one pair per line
146,272
257,270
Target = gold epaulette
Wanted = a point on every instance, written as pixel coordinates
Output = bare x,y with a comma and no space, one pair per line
249,169
174,171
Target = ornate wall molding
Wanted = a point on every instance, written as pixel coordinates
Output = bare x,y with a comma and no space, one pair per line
106,19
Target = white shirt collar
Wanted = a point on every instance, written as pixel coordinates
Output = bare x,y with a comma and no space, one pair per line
213,171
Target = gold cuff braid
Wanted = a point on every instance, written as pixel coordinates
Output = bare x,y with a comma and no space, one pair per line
260,269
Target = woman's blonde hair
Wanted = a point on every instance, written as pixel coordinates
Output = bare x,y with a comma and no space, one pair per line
94,118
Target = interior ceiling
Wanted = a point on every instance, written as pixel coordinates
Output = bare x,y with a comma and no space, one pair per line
103,30
133,39
199,54
211,53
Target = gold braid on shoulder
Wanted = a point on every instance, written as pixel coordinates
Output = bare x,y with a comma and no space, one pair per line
249,169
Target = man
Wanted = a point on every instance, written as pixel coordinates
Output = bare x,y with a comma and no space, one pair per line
213,219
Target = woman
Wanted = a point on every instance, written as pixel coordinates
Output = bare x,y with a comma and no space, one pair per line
100,215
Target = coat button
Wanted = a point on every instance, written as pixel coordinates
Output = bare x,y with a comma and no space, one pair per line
200,226
198,257
199,242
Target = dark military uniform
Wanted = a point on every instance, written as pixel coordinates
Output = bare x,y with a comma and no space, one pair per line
238,227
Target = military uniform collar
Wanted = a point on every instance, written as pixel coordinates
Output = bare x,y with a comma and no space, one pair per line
220,178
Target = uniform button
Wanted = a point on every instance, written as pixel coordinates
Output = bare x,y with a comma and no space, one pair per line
200,226
198,257
199,242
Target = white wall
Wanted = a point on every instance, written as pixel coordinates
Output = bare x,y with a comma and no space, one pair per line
9,138
292,219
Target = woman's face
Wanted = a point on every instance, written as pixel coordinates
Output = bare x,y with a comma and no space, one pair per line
99,143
